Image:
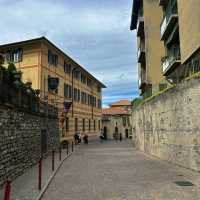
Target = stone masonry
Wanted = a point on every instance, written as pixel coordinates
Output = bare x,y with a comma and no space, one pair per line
24,138
168,126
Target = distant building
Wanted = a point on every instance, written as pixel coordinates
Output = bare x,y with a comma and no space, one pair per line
146,19
116,119
40,61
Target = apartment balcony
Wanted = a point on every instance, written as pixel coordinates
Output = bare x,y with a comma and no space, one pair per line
141,54
140,27
171,62
170,19
162,2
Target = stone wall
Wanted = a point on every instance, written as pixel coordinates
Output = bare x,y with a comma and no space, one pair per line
168,126
23,139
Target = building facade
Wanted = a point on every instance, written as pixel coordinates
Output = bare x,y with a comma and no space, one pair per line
179,31
146,19
116,119
39,60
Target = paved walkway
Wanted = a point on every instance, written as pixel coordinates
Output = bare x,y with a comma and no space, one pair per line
115,171
25,187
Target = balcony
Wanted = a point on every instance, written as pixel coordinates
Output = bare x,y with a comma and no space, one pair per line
169,20
140,27
163,2
170,62
141,53
142,78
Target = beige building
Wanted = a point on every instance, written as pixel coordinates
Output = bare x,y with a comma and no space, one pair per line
146,19
116,119
180,33
40,61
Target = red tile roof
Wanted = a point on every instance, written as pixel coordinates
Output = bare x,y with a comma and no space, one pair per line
121,103
114,111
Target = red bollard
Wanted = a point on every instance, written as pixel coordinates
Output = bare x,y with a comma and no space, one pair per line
40,175
7,190
60,153
52,160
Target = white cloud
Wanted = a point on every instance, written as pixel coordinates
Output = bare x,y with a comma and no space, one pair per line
97,36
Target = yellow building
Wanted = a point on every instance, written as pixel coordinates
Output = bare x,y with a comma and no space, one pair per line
40,60
146,19
180,29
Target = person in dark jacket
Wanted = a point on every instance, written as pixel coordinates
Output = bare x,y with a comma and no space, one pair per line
120,136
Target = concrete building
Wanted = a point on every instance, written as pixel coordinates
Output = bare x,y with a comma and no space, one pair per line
116,119
146,19
180,32
40,61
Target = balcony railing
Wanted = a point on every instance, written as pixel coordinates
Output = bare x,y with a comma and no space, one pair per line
141,52
172,60
170,18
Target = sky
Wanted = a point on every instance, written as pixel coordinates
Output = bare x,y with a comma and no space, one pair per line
94,33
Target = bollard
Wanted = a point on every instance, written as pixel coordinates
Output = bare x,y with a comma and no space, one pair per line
7,190
53,160
40,175
72,146
60,153
67,148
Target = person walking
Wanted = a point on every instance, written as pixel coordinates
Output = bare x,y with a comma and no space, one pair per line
120,137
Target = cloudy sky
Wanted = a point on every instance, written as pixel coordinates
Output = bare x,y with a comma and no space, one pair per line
95,33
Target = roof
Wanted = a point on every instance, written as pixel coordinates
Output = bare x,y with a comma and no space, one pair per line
114,111
44,39
121,103
134,16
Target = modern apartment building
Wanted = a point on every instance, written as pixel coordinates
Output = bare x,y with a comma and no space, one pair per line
146,19
40,60
180,33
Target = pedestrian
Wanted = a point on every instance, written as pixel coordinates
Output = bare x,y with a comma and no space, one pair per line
101,136
120,137
85,138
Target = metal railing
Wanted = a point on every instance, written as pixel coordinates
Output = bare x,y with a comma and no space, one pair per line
169,11
173,55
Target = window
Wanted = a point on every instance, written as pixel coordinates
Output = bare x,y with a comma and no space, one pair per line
94,125
67,124
89,82
89,124
94,103
52,58
99,125
83,78
124,121
14,55
76,124
99,103
67,91
75,94
83,125
98,88
67,68
76,74
79,95
83,98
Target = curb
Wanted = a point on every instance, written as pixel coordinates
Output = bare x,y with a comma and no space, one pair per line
39,197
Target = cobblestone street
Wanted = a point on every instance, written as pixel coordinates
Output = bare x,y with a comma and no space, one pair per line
115,171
